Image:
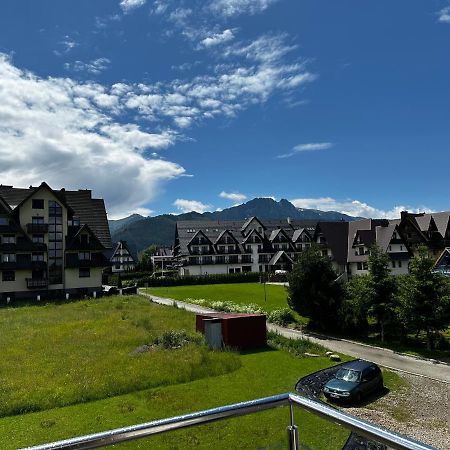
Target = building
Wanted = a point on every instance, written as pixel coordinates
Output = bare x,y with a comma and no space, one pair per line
443,263
162,260
430,230
252,245
363,234
121,258
52,242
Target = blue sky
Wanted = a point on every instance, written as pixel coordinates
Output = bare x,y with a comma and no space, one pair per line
172,105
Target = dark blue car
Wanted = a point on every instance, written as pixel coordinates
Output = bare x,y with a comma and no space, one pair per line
353,381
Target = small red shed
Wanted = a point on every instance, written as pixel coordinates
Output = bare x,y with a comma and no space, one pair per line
241,331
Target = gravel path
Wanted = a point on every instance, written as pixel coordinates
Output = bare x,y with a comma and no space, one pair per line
420,410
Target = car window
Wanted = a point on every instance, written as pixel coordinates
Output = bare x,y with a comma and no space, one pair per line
370,373
348,375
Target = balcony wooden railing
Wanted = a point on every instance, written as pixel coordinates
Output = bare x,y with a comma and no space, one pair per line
37,228
36,283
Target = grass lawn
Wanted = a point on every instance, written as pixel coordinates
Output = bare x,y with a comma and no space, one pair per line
80,354
241,293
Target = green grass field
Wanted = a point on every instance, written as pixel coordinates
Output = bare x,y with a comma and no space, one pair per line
242,293
80,354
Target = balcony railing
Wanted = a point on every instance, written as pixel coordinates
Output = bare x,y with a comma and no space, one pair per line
37,228
134,432
36,283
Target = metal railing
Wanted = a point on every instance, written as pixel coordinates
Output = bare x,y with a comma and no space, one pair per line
361,427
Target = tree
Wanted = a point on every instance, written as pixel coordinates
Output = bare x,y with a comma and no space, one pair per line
381,289
145,258
354,308
313,291
424,298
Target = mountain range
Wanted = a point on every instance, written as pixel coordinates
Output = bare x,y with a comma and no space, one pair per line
141,232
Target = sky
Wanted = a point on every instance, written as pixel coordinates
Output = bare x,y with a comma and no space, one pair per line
168,106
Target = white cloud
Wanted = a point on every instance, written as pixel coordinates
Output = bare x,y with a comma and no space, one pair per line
312,147
354,208
230,8
444,15
218,38
191,205
66,45
128,5
233,196
54,130
95,66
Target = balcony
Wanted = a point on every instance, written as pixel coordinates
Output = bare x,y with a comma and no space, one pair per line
246,259
36,283
376,436
37,228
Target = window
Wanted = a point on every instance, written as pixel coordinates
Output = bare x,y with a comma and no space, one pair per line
8,275
117,266
359,266
38,238
393,264
9,239
390,248
231,270
37,220
37,257
4,221
324,252
399,264
85,272
84,256
401,248
394,235
37,203
9,257
365,266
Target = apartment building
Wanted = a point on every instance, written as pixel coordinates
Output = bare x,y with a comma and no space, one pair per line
52,242
252,245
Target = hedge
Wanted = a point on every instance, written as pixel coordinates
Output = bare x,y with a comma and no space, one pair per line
246,277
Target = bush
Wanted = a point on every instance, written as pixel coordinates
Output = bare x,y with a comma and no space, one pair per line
176,339
247,277
297,347
281,317
227,306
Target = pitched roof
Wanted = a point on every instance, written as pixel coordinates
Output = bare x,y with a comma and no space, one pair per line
90,211
336,235
278,255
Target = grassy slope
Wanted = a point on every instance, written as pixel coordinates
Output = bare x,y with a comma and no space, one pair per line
37,363
262,373
241,293
76,352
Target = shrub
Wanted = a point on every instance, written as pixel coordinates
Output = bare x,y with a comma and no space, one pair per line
176,339
281,317
247,277
297,347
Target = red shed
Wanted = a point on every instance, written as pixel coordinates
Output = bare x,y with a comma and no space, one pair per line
241,331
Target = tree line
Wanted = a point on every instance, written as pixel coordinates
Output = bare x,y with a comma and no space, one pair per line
397,306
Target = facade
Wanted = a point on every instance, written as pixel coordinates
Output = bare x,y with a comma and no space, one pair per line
121,258
162,260
52,242
252,245
363,234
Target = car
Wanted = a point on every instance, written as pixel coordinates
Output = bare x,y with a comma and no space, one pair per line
353,381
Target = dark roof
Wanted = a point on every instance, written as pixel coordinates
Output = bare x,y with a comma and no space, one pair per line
336,235
186,229
90,211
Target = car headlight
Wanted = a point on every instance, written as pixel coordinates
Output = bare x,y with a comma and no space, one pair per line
345,394
325,389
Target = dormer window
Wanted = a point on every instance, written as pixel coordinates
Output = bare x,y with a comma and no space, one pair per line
84,238
84,256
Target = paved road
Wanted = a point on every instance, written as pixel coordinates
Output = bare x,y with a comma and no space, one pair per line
381,356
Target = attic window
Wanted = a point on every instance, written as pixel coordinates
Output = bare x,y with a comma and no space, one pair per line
84,238
37,203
